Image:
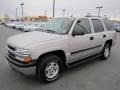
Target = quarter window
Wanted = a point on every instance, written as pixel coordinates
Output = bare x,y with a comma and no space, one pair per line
98,26
108,24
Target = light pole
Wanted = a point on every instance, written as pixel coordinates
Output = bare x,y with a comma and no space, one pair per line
64,10
16,10
53,8
99,8
45,12
16,14
22,10
88,14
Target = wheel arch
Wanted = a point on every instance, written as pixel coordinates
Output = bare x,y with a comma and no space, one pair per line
59,53
110,41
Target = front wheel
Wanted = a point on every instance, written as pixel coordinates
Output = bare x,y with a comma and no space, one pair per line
49,68
106,52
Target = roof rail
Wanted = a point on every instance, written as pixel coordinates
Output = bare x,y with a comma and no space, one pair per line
94,16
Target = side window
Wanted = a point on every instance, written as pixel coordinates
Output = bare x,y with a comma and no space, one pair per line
108,24
98,26
84,23
78,29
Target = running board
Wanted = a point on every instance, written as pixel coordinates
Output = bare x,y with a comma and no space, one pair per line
77,62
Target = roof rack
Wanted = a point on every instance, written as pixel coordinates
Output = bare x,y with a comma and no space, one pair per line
92,16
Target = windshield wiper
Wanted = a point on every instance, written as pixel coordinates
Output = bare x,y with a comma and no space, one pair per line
51,31
46,30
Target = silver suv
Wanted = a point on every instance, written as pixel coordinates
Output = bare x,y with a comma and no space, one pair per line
60,42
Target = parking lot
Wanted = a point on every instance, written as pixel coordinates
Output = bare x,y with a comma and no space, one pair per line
93,75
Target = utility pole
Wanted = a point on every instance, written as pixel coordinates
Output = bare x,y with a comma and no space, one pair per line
99,9
53,8
22,10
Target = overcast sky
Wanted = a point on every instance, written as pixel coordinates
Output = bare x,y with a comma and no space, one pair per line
75,7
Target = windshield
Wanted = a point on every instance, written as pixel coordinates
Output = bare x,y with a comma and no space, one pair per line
58,25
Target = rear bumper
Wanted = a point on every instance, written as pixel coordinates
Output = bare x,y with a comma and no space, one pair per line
26,69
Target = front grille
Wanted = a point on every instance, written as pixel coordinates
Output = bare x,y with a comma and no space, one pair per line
11,54
11,47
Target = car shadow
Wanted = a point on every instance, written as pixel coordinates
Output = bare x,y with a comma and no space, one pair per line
67,71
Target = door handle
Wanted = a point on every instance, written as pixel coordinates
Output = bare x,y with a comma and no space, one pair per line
104,36
91,38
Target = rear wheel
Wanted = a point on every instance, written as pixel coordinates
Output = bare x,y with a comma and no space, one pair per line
49,68
106,51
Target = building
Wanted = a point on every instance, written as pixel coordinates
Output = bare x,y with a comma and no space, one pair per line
36,18
116,19
2,19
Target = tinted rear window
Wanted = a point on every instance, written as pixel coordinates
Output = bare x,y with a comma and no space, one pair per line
109,25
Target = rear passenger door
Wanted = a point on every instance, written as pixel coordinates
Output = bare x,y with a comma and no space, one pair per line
99,34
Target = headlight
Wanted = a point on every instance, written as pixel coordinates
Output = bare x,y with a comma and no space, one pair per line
22,51
23,55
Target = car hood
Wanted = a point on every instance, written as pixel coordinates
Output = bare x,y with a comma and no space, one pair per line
26,39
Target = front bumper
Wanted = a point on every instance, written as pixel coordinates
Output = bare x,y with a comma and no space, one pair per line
24,68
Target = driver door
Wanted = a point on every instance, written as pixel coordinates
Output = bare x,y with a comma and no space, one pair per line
81,41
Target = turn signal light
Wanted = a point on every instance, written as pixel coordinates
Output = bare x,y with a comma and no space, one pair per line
26,59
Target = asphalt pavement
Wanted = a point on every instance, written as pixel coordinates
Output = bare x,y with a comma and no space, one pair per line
93,75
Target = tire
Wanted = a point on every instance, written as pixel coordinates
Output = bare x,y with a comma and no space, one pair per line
106,51
49,68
